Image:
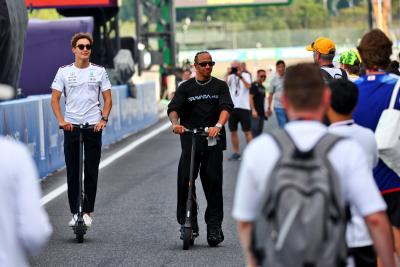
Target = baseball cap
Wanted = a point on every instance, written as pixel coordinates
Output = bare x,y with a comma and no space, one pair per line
349,57
322,45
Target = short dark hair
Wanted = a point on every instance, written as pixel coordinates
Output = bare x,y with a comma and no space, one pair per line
199,53
280,61
344,96
261,70
303,86
393,67
329,56
81,35
375,49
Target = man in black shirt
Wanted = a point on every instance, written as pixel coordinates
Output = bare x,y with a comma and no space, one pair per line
257,102
202,101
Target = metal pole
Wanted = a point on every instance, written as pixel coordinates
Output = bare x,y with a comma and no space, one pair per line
370,17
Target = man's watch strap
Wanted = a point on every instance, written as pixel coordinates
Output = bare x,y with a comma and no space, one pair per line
219,125
104,118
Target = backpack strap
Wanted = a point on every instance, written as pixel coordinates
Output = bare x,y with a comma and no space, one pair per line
344,74
285,143
322,148
327,77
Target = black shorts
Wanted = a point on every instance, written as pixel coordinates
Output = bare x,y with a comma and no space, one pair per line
240,115
393,207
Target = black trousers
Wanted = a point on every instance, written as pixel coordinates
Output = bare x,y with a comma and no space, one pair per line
257,126
364,256
92,153
209,163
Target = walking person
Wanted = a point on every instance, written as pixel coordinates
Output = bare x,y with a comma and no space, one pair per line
350,61
324,50
257,103
375,91
82,83
24,224
239,83
306,99
202,101
276,95
343,102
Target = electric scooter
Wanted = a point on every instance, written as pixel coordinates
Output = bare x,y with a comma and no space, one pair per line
188,238
80,227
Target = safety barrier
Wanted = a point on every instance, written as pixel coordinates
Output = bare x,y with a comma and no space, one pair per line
32,122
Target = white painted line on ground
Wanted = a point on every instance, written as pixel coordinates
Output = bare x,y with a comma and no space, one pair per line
58,191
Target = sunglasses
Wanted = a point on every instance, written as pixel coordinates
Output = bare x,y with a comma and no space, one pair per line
263,76
81,46
209,63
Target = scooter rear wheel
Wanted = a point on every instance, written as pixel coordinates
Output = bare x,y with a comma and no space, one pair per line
187,238
79,238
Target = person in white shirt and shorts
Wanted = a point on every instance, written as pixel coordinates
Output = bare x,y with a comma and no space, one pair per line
239,83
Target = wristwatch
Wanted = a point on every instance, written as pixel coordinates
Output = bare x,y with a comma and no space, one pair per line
105,118
219,125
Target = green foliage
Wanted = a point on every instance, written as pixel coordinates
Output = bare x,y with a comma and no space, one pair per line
127,10
301,14
45,14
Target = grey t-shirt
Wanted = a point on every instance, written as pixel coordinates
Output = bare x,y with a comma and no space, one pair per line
277,90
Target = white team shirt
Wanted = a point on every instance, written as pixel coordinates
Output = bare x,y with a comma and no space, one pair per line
347,157
277,90
239,93
357,234
82,89
24,225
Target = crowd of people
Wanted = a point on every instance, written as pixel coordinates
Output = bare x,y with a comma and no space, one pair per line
313,192
327,112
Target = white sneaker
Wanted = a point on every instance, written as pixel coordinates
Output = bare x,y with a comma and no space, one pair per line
87,219
72,222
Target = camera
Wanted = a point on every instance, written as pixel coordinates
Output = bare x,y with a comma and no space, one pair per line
234,70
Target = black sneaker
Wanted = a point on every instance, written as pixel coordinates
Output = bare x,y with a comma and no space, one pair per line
214,235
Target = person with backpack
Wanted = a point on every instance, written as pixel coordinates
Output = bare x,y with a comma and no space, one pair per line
294,185
82,82
375,92
324,50
343,101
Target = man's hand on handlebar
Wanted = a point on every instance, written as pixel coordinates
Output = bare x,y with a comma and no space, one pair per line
100,126
66,126
213,131
178,129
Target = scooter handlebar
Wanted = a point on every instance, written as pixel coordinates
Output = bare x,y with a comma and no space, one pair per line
80,126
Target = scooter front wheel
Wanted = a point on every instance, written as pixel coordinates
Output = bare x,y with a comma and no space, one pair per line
187,238
79,238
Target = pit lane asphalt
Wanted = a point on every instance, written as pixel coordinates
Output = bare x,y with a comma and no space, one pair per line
134,222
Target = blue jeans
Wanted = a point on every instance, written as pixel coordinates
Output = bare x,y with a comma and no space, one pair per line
281,116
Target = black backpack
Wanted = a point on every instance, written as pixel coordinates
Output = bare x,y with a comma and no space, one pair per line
328,77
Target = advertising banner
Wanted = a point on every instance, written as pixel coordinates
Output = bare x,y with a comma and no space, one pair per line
69,3
225,3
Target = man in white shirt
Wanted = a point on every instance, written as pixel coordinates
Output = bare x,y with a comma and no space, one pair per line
24,224
306,99
82,83
276,95
239,83
343,101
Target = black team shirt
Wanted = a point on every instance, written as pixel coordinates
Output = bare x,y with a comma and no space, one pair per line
258,91
200,106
